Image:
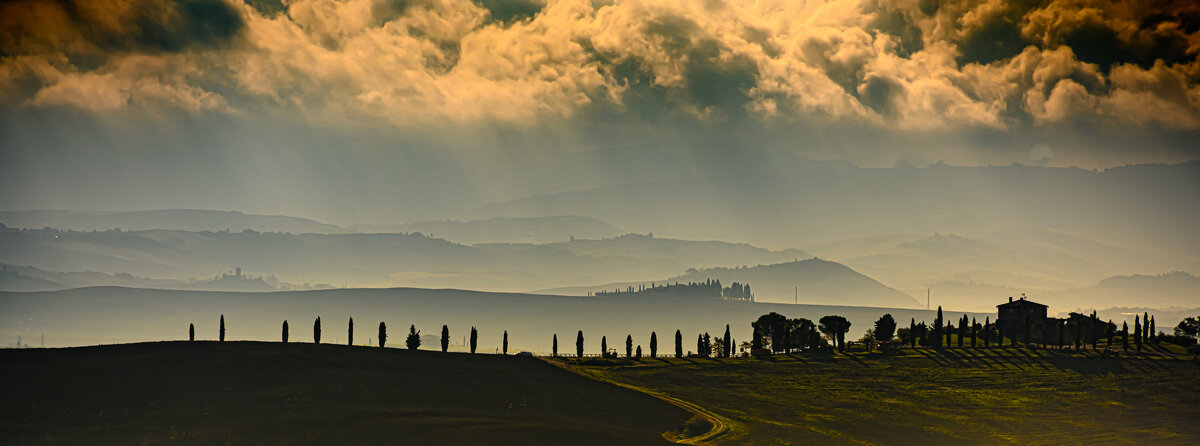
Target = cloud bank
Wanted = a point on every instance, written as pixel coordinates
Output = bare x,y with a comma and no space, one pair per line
903,65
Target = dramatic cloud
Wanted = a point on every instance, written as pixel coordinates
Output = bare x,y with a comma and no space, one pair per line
902,65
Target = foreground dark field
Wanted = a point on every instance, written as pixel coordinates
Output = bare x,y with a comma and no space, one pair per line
926,396
271,393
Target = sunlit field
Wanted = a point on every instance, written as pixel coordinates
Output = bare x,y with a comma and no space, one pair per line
929,396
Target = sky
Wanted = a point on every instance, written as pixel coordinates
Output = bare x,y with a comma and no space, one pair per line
373,111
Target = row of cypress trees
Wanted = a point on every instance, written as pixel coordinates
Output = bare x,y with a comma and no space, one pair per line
704,345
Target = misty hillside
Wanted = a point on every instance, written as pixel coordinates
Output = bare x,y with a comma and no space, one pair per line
684,252
1177,289
181,219
818,282
972,270
813,280
505,230
797,204
376,260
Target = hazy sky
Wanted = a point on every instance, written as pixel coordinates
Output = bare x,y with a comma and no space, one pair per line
362,110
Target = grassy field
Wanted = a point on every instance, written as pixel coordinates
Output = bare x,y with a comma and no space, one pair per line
211,393
927,396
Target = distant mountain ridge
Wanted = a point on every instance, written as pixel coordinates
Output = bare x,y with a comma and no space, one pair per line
555,228
181,219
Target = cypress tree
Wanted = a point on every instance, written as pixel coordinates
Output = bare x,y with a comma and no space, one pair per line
285,333
1000,332
382,334
554,349
653,345
628,346
678,344
579,344
962,330
1110,328
350,333
727,342
912,332
639,352
987,332
937,328
222,334
413,341
1153,333
700,345
1145,327
505,351
1124,336
191,332
974,331
445,338
1137,332
755,341
317,331
604,346
474,339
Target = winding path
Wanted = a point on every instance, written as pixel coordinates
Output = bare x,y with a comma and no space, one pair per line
719,426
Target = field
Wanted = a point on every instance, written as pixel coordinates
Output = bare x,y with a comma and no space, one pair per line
271,393
927,396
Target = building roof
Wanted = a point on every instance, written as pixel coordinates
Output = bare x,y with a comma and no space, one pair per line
1021,302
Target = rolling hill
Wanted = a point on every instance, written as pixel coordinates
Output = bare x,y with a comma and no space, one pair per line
181,219
274,393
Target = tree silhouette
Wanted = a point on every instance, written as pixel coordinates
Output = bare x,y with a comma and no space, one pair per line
1124,336
835,327
653,345
974,331
445,338
1137,332
628,346
962,330
1000,332
505,346
554,350
350,333
414,338
885,328
1145,326
382,334
678,344
604,346
222,334
1110,329
755,341
579,344
1153,333
285,331
773,326
317,331
987,332
912,332
727,342
191,332
938,322
639,352
474,338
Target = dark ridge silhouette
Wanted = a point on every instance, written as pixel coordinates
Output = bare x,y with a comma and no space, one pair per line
232,393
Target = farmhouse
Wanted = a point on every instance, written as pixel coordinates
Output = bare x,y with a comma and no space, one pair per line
1018,314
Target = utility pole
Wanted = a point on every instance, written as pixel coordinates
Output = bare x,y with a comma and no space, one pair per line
797,295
